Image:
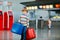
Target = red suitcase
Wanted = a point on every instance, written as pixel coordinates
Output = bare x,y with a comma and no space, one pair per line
28,39
30,33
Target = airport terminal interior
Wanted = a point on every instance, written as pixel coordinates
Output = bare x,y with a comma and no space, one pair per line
44,18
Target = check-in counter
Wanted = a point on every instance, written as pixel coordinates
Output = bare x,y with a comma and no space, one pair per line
55,23
5,20
32,23
1,20
10,13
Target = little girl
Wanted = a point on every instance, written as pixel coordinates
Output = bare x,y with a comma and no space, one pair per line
24,19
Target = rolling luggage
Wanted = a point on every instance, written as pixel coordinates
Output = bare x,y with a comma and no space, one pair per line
17,28
30,33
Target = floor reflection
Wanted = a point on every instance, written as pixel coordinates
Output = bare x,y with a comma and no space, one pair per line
6,35
42,34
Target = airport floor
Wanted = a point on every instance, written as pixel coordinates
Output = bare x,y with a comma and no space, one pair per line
42,34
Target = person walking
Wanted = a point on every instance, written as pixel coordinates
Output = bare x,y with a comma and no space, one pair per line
49,23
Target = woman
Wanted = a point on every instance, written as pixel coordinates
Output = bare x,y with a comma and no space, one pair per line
49,23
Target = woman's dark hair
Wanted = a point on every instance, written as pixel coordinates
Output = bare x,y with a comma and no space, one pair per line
40,16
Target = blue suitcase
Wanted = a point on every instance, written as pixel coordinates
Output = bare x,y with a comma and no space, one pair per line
17,28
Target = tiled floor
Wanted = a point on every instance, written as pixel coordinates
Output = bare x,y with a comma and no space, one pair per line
42,34
7,35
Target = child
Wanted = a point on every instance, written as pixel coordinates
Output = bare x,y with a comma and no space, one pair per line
24,19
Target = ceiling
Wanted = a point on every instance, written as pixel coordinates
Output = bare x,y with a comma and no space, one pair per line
41,2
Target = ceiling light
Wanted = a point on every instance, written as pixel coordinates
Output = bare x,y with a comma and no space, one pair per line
27,8
57,5
47,6
44,6
35,7
51,6
32,7
40,6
